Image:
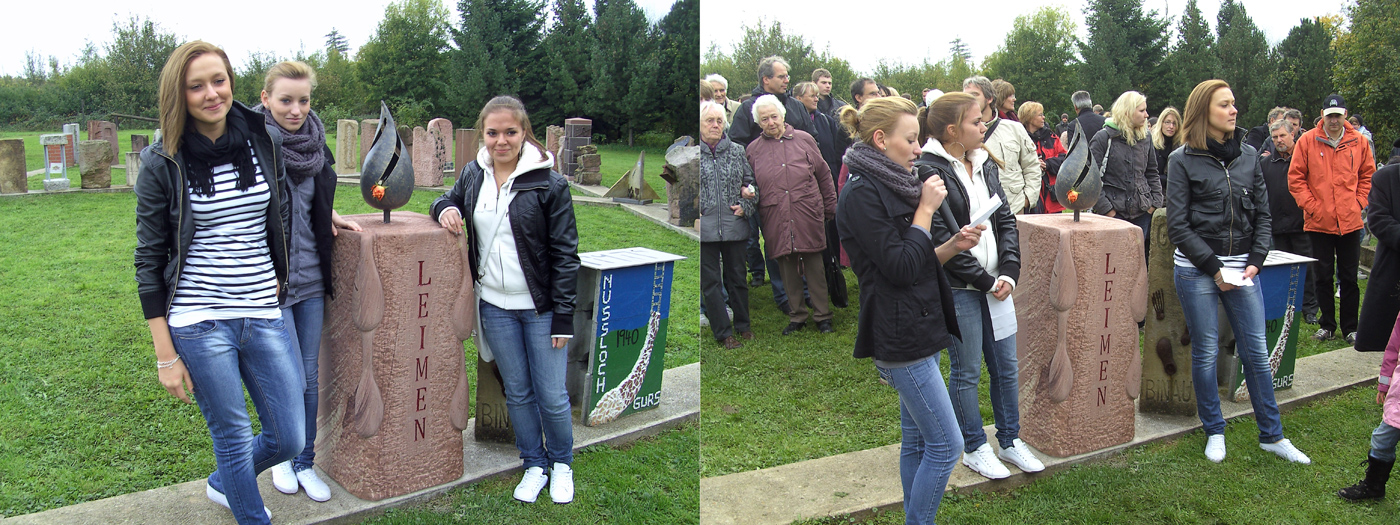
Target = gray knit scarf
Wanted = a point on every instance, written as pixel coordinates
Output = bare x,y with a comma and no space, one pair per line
305,148
865,160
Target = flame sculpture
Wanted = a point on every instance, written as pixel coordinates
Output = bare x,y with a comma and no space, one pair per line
386,181
1080,182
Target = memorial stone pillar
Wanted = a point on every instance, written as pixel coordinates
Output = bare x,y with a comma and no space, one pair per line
367,129
104,130
577,132
440,134
72,131
1166,353
13,177
683,195
95,164
395,396
464,148
1082,290
426,170
133,167
139,142
346,136
551,142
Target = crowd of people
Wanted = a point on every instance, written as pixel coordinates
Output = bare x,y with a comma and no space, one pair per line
799,184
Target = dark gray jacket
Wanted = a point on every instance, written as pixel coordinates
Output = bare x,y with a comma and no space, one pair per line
1217,208
744,130
165,224
1130,182
546,237
723,174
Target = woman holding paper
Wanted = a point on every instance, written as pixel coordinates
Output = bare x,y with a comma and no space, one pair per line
1218,218
982,279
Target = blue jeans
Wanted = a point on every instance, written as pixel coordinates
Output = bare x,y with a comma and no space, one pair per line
1244,307
259,352
965,357
930,440
303,321
532,374
1383,442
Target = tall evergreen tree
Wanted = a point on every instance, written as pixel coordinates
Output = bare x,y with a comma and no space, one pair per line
620,30
679,52
498,53
1305,59
1191,61
1245,62
1125,47
567,46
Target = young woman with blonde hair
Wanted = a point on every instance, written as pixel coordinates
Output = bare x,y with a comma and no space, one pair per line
212,270
1166,137
286,106
1131,189
885,214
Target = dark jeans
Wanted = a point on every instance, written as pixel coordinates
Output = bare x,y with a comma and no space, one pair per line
1339,255
722,270
1300,243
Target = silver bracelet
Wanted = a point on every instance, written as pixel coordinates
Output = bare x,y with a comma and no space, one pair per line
167,364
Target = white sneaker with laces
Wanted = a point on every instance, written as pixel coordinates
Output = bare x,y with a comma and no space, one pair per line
283,478
315,488
1018,454
1215,447
983,462
531,484
1285,449
219,497
561,483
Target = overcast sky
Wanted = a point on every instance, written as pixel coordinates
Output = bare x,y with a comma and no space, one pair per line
283,29
863,35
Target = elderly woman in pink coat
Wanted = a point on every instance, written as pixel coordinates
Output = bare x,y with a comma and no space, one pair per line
1385,437
796,197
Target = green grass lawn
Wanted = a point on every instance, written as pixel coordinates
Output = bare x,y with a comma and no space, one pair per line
1172,482
651,481
85,417
783,399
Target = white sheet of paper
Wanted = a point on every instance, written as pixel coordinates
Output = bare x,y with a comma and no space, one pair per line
986,212
1235,277
1003,314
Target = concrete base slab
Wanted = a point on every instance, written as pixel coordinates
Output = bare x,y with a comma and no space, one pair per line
56,184
858,482
186,503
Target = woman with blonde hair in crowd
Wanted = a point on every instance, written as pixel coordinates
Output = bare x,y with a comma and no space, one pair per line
982,279
885,216
286,106
211,270
1131,189
1218,218
1166,137
1048,148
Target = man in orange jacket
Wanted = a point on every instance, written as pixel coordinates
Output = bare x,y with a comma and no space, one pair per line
1330,177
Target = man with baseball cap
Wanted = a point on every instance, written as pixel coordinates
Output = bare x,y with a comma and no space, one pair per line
1330,177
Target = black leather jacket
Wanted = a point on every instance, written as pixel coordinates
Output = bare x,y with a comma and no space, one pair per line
542,222
963,269
1217,208
165,226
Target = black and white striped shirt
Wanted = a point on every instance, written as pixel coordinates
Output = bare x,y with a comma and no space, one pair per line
228,272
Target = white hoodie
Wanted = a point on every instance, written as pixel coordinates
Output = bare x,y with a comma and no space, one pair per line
502,280
978,195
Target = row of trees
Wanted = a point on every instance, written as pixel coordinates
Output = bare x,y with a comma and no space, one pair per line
562,60
1130,47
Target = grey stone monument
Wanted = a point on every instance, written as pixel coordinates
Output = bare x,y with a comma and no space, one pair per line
346,133
95,164
133,167
13,178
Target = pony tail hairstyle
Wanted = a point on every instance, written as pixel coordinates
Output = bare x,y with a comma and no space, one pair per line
850,120
877,114
925,133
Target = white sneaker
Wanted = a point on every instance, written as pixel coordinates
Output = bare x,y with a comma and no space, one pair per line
561,483
1285,449
315,488
218,497
1018,454
531,484
1215,447
283,478
983,462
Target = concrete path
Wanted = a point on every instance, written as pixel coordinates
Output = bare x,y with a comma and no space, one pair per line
858,482
185,503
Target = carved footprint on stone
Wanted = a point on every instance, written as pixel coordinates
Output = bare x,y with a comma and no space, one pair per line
1159,304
